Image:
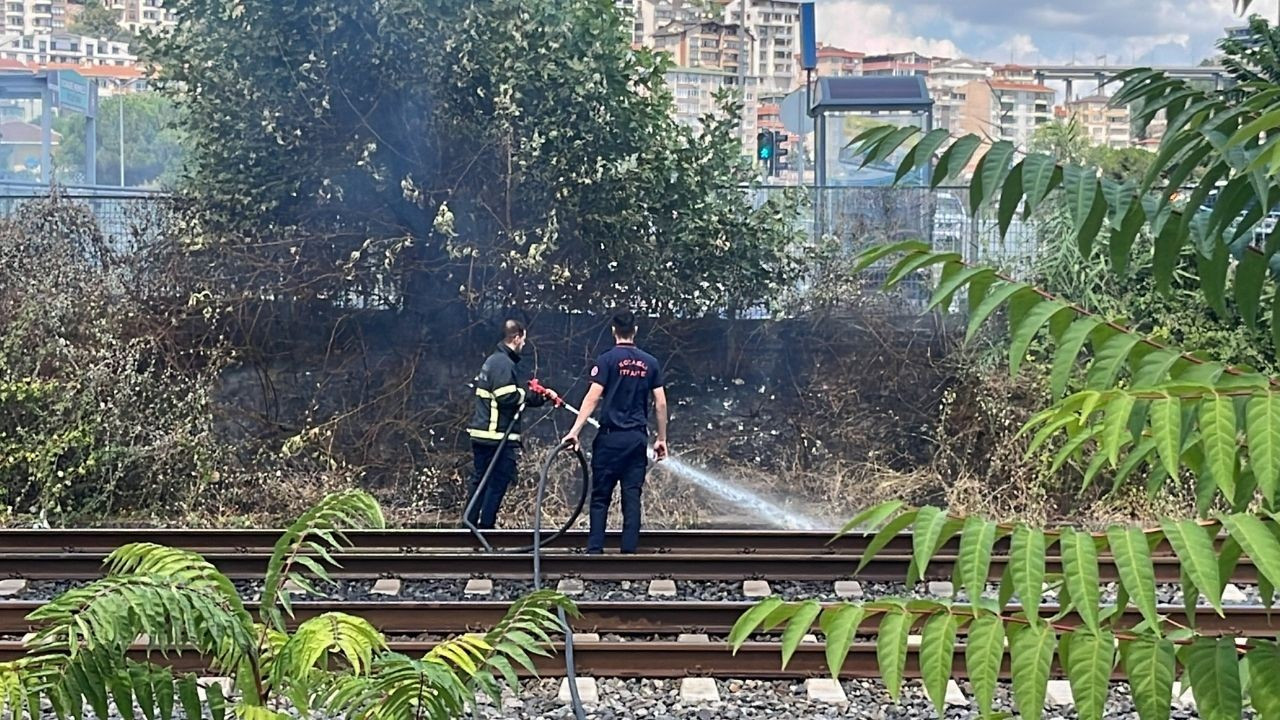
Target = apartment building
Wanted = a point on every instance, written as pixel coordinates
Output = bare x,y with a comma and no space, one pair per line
1003,110
1102,123
36,16
695,88
1021,74
140,14
1243,34
837,62
947,80
61,47
645,18
701,44
905,63
773,41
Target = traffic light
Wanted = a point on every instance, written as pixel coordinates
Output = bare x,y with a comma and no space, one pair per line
764,147
779,149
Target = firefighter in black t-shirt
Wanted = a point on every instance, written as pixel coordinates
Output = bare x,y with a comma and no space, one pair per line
622,381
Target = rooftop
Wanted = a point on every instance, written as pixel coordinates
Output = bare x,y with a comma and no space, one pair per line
16,132
833,51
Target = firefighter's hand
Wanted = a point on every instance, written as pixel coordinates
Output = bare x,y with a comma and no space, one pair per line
660,450
571,440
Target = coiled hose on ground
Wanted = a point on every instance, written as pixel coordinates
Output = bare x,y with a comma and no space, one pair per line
535,548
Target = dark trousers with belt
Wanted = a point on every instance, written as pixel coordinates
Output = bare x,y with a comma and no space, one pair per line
484,514
617,458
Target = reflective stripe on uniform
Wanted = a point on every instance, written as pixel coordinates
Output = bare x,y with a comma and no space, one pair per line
493,395
490,435
504,390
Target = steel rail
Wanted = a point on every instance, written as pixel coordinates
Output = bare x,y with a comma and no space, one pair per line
408,617
515,566
644,659
408,540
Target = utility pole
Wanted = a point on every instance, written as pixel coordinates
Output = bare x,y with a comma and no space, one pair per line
120,104
745,53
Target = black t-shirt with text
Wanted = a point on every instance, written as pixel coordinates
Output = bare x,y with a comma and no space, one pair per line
628,375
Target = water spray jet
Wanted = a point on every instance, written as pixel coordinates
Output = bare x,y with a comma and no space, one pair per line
757,505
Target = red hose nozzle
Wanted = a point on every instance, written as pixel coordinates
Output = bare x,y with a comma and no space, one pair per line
545,391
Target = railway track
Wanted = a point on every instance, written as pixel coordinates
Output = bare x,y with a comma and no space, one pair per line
631,618
638,634
438,554
656,659
417,540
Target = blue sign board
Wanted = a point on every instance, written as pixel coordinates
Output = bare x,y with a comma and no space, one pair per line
808,38
72,89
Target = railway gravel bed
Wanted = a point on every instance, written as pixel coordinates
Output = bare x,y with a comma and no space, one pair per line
643,699
629,590
742,699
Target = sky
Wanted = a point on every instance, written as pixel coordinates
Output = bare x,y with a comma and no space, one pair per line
1147,32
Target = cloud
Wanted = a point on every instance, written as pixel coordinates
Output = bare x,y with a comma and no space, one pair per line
1173,31
875,27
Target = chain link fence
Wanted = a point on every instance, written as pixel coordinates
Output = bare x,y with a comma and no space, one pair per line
123,217
854,218
859,218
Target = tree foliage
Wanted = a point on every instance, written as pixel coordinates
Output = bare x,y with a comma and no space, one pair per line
152,141
458,150
96,20
1255,58
1067,142
1180,318
99,411
335,662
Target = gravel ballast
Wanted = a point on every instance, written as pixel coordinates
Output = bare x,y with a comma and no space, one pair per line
452,589
660,700
642,699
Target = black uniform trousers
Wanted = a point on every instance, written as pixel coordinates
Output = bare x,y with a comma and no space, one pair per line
484,514
617,458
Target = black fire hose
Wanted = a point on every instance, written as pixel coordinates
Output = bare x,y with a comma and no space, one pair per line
569,670
538,541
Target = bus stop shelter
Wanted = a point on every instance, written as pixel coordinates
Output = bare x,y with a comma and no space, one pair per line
67,90
846,106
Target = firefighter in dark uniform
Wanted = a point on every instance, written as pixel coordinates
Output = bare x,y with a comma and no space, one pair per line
622,381
500,396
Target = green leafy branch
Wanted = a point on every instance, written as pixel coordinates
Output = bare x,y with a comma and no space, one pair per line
1212,140
1215,667
1208,555
1175,410
310,541
172,601
1086,636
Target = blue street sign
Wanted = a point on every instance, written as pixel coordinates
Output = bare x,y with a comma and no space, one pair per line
72,90
808,38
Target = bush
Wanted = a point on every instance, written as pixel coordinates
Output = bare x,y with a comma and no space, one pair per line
97,414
